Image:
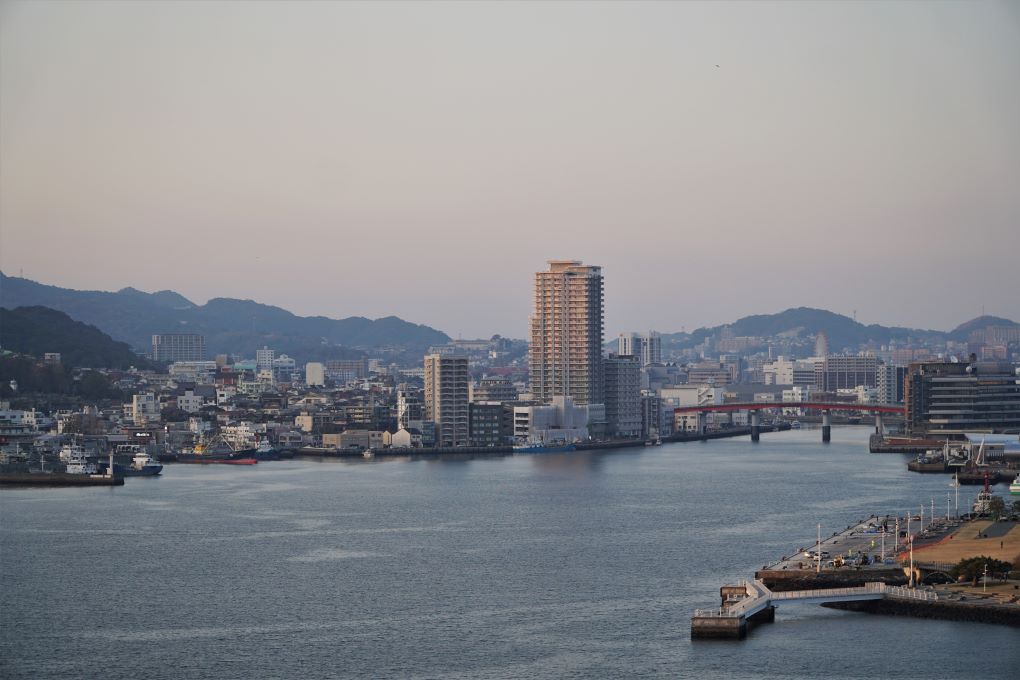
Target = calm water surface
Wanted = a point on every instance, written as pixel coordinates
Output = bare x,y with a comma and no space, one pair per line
579,565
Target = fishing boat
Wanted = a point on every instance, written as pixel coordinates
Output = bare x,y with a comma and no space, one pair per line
983,502
78,463
217,451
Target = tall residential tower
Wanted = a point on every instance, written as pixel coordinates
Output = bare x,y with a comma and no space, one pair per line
565,355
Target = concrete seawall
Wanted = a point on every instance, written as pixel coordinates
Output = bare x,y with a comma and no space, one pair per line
947,611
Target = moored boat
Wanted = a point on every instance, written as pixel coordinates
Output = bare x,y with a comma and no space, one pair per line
217,451
1014,487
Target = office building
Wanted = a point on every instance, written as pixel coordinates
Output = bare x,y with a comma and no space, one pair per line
954,398
565,354
446,398
178,347
840,372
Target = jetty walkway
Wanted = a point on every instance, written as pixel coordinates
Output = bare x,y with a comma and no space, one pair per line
751,602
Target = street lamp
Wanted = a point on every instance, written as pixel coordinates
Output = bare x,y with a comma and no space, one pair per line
911,538
818,551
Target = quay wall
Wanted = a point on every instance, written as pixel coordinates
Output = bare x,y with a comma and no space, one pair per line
944,610
784,580
57,479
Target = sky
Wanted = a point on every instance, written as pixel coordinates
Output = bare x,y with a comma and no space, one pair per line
425,159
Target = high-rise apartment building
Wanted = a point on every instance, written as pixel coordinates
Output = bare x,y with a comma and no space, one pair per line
565,355
647,347
889,383
178,347
446,398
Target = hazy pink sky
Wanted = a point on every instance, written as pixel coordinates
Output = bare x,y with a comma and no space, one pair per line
424,159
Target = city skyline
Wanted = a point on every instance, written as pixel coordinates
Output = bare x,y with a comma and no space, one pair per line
423,160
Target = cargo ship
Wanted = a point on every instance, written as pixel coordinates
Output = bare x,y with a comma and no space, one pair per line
141,465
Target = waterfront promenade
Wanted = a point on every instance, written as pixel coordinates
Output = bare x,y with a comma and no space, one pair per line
868,567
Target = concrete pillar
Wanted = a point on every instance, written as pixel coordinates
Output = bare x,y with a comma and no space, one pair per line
702,422
755,426
879,429
826,427
767,615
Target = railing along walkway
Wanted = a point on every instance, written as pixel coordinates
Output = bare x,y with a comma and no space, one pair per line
759,597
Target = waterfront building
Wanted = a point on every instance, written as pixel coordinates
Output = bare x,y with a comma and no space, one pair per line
486,424
559,421
840,371
952,398
565,354
622,395
178,347
647,347
446,398
651,415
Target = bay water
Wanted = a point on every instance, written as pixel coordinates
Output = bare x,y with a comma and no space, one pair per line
579,565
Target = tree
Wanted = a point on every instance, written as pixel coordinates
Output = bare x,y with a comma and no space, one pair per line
973,568
997,507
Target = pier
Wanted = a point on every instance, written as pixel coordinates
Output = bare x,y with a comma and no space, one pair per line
871,566
752,602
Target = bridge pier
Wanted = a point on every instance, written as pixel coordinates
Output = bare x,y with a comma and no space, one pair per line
879,426
826,427
755,426
766,615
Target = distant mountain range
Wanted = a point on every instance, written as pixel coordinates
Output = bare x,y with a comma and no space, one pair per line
229,325
842,331
38,330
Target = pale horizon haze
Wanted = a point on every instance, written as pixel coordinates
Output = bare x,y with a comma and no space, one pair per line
424,159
